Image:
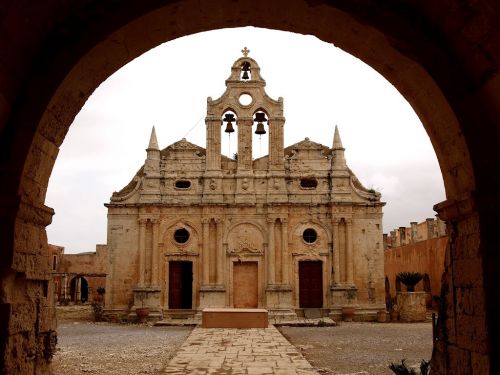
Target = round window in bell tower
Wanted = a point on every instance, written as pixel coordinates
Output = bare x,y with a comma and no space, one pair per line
181,235
245,99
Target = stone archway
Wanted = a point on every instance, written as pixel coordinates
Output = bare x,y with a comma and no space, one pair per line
442,57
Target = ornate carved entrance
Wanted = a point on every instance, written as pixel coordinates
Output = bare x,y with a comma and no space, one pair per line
245,285
180,285
310,284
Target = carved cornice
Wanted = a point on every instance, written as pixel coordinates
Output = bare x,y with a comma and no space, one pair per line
457,209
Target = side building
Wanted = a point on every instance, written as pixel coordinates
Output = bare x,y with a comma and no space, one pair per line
77,277
421,247
289,231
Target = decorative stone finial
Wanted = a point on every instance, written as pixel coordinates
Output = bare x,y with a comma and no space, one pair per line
245,51
153,143
337,143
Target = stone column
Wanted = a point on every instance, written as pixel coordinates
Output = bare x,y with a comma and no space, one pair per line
205,256
270,252
221,256
276,148
394,238
402,236
336,252
65,287
413,236
430,228
284,250
77,288
213,157
142,250
155,257
245,143
349,253
384,241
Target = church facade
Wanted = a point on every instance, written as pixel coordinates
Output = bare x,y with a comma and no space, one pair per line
288,231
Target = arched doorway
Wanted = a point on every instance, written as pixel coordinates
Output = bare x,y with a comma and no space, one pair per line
78,289
445,69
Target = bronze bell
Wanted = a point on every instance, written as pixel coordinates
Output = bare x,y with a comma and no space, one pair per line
260,117
260,129
245,68
229,118
229,128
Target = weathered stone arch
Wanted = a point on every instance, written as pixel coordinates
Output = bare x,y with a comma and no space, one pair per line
317,223
252,226
443,57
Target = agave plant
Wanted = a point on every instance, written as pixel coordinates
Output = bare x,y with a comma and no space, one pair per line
402,369
410,279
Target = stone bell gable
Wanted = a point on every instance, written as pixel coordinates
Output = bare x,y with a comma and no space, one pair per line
291,230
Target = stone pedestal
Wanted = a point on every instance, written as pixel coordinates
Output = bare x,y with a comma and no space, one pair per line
411,306
343,295
147,297
279,296
212,296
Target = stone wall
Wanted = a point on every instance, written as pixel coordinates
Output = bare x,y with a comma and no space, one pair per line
426,257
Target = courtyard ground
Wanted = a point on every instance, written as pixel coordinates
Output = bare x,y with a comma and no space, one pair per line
362,348
85,347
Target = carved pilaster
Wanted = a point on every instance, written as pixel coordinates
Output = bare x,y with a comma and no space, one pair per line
271,251
155,262
336,252
221,255
349,253
142,250
284,251
205,253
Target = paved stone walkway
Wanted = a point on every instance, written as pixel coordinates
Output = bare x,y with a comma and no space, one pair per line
238,351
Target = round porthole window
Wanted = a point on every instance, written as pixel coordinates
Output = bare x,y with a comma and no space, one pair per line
181,235
245,99
310,235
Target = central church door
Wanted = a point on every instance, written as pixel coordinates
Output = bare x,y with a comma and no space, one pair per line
180,285
245,285
310,284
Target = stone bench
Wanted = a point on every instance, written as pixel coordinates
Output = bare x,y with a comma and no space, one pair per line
234,318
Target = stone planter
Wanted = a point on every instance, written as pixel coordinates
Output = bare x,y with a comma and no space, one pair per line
142,314
381,316
347,313
411,306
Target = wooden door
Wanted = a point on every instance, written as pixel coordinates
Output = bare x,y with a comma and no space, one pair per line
245,285
180,285
310,284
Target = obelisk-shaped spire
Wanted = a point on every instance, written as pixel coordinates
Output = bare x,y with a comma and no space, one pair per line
338,159
337,142
153,143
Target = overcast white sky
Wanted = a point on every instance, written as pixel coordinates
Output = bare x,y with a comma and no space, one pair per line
386,145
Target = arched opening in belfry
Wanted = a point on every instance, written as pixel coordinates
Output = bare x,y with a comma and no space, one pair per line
437,82
229,141
260,134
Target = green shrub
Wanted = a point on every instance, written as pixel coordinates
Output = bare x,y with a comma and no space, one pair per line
410,279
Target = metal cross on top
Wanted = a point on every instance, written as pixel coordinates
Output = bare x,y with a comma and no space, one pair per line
245,51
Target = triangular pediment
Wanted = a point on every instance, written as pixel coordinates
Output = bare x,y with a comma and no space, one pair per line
306,145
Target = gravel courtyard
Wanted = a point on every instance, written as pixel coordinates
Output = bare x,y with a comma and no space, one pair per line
362,348
85,347
105,349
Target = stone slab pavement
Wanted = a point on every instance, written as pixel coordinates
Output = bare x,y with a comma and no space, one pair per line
233,351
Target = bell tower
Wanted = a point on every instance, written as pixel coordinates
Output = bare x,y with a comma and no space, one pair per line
245,104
